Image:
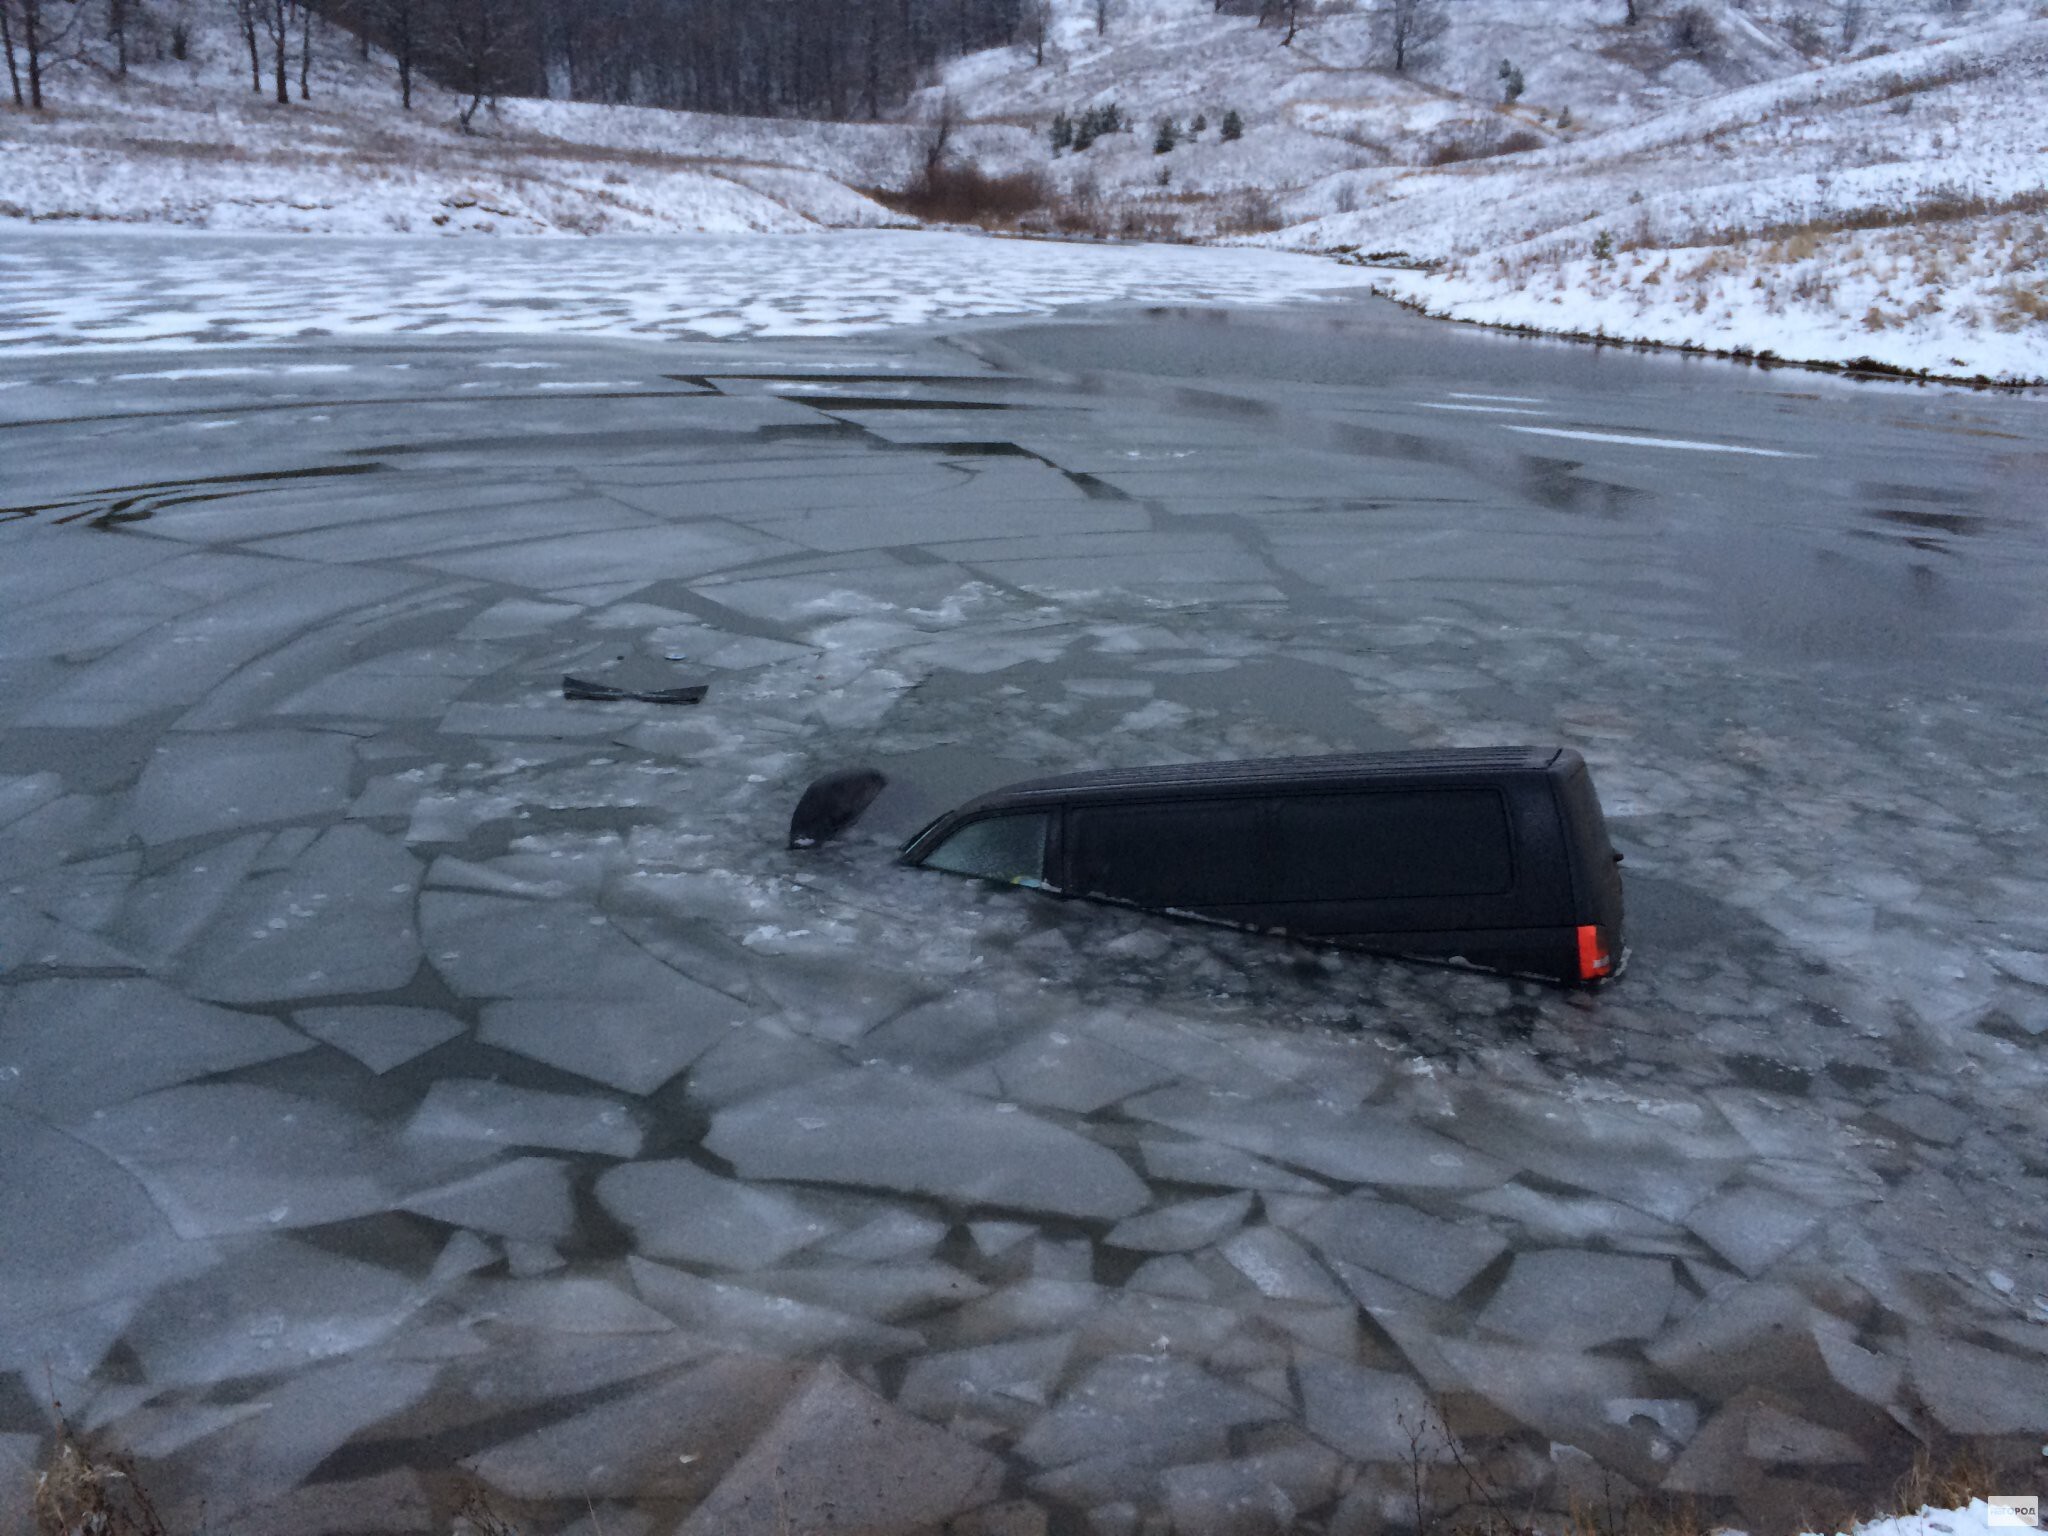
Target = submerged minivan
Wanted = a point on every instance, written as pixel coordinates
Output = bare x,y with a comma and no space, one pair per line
1496,857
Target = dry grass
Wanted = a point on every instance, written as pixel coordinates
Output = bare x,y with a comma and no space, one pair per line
89,1491
962,194
1939,205
1947,1477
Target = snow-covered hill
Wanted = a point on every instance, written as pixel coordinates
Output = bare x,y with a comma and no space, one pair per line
1824,182
186,142
1820,183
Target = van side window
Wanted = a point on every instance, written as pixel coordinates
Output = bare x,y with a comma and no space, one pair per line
1196,853
996,848
1391,845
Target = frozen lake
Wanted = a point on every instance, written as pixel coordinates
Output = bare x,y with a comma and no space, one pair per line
404,1068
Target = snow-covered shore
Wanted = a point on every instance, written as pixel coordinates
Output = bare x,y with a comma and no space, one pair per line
1884,210
1882,207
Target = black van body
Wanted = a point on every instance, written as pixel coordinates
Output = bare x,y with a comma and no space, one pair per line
1497,856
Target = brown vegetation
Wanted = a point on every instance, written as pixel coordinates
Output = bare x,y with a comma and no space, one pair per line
964,194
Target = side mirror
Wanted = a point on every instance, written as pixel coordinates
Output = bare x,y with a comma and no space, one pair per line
832,804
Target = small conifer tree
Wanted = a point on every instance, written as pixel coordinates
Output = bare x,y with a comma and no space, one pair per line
1511,82
1166,137
1062,132
1199,126
1233,126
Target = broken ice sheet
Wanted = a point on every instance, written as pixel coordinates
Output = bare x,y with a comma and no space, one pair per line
573,1304
70,1046
275,1306
310,1416
1009,1383
635,1045
196,784
1180,1228
892,1132
1152,1406
380,1037
526,1198
339,921
679,1211
1371,1415
491,947
1280,1267
840,1456
672,1439
236,1157
458,1110
1195,1162
763,1322
1753,1228
68,1288
1573,1299
1064,1069
1357,1144
884,1292
1427,1254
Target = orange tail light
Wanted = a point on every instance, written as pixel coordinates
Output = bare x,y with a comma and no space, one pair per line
1594,960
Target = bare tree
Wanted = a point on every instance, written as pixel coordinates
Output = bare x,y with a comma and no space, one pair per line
1407,29
1854,14
7,44
1101,17
117,34
277,16
400,24
246,13
1037,21
478,44
34,27
935,137
1631,11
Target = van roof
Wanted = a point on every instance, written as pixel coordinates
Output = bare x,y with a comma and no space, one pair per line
1350,769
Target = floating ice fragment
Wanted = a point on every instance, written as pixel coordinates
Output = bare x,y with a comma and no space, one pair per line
679,1211
840,1456
1438,1258
197,784
1359,1145
895,1234
523,1197
1977,1391
1195,1162
1573,1299
279,1306
234,1157
75,1045
1752,1228
671,1440
892,1132
880,1291
346,909
500,1115
1009,1383
1371,1415
1180,1228
1279,1267
380,1037
632,1045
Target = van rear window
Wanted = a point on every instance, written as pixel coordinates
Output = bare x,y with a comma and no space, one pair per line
1347,847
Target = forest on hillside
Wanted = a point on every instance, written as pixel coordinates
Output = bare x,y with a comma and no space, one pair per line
820,58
